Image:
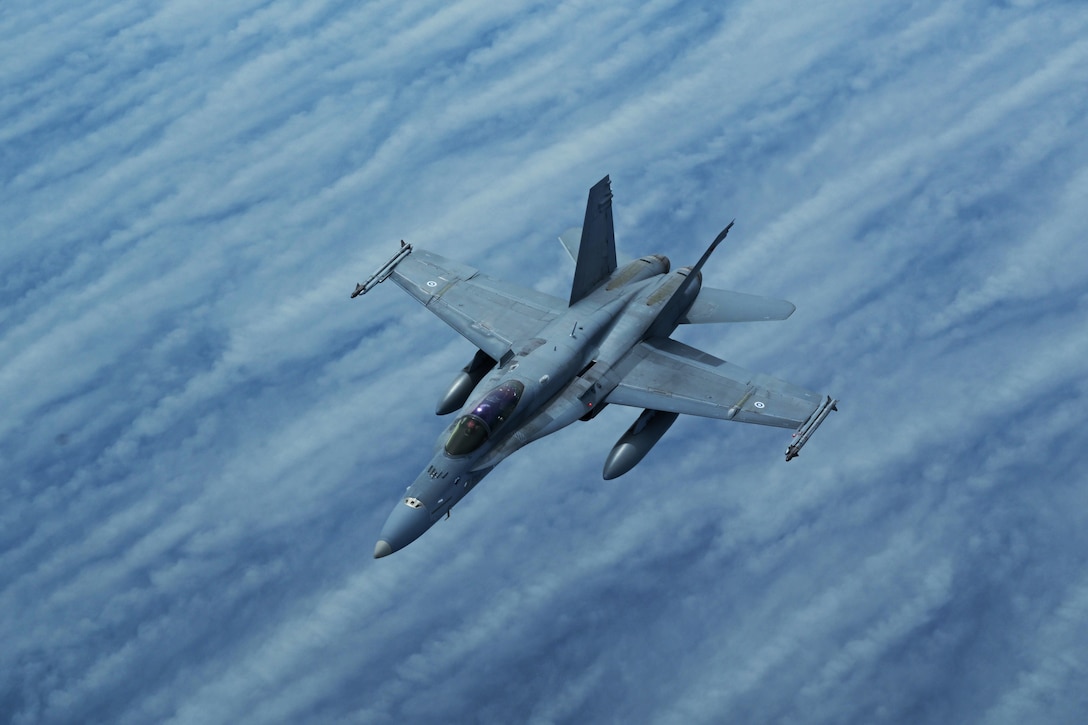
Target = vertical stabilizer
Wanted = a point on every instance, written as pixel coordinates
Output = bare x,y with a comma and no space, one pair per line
597,249
673,310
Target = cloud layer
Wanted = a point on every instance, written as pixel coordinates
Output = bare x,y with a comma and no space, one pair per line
202,434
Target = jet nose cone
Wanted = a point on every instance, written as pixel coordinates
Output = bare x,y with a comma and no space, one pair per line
382,548
405,524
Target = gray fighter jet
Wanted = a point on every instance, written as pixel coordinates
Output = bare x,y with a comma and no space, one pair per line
543,363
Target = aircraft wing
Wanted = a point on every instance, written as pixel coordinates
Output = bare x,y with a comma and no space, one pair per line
489,313
666,375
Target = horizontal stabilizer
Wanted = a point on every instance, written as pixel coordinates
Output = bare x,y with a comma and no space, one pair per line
719,305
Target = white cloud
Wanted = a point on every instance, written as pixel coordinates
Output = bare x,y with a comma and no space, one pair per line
203,434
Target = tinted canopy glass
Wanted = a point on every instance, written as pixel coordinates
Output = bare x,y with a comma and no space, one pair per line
470,431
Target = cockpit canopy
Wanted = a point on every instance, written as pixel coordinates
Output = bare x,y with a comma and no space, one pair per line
470,431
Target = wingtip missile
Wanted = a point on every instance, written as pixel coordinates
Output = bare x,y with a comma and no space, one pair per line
384,271
809,427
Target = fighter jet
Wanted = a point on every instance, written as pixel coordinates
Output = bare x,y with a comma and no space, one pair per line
543,363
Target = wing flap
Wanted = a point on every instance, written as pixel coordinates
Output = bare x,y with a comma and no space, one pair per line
670,376
489,313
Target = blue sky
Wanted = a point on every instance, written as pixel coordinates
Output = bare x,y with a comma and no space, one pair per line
203,434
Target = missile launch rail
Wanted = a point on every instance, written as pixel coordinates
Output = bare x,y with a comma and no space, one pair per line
383,272
806,429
